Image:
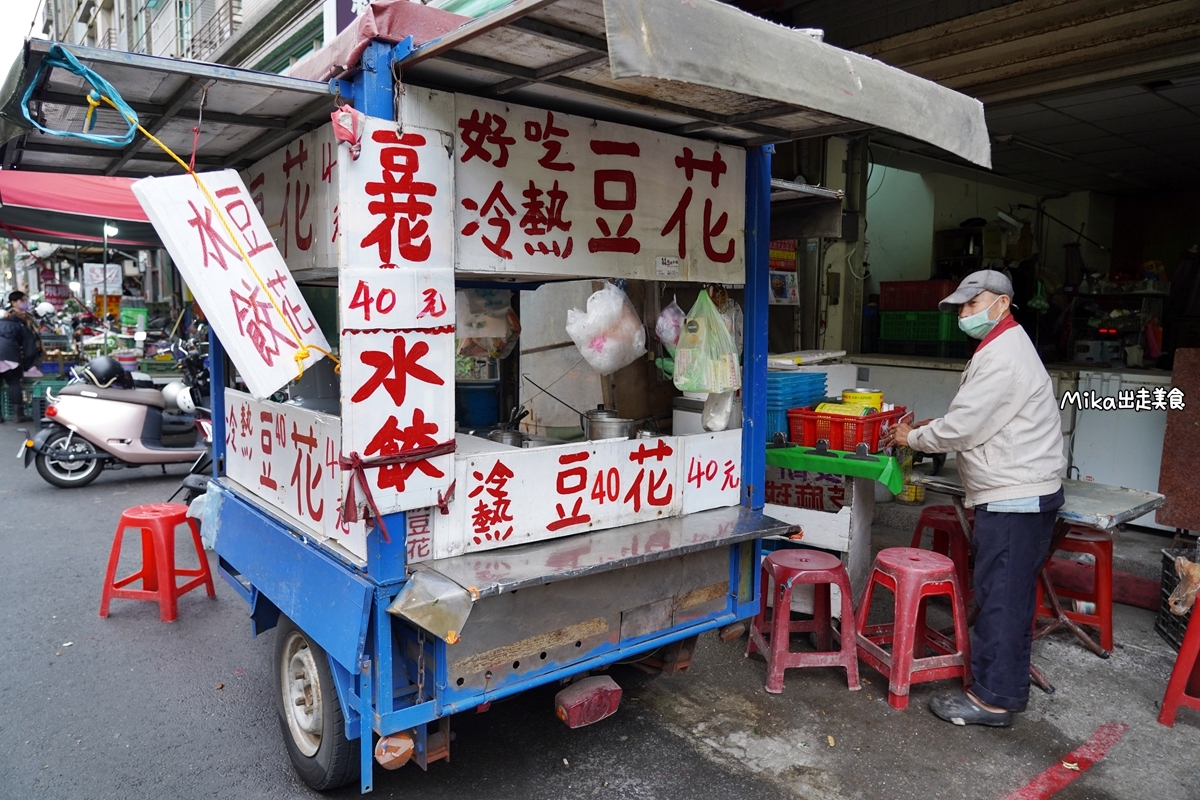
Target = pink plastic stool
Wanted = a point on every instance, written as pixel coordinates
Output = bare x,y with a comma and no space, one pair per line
784,569
913,576
1183,689
949,539
157,523
1082,539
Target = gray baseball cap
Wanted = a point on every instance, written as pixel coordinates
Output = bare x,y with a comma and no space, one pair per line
985,280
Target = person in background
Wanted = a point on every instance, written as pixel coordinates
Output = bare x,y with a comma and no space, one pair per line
18,303
18,349
1004,425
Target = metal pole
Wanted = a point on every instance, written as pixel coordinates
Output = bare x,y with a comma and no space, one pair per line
104,297
754,360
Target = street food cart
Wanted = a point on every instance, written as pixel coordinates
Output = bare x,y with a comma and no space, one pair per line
415,571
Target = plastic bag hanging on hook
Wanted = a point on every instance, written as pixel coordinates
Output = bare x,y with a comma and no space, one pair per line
706,358
670,323
609,334
348,125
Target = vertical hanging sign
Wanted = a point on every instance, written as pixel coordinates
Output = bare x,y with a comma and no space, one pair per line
396,294
226,254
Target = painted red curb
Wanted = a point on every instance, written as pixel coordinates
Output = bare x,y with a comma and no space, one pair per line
1058,777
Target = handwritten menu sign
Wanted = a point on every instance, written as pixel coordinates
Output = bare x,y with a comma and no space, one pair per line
516,496
396,285
259,314
288,456
542,191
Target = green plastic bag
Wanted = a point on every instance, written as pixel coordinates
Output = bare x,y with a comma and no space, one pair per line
706,358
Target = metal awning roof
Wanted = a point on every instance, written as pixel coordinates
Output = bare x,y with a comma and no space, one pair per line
246,114
695,68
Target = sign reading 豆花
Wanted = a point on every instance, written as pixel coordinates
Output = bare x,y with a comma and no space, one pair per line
226,254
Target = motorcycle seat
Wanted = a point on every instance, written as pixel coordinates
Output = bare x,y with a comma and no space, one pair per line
141,397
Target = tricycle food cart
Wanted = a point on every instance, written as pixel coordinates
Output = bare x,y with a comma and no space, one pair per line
412,572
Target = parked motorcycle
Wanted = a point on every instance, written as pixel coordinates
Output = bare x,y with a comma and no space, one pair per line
101,420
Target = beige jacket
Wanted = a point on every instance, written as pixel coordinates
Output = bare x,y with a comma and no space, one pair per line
1004,424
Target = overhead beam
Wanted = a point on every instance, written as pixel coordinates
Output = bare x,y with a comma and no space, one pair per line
545,73
83,151
152,111
186,92
750,116
555,33
302,122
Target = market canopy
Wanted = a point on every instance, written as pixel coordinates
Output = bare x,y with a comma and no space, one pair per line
739,79
67,209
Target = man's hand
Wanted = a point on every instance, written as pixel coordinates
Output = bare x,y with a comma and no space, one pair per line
898,434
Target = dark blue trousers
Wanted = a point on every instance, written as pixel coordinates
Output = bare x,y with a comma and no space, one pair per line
1010,550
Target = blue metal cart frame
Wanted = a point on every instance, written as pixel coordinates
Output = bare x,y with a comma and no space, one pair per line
343,608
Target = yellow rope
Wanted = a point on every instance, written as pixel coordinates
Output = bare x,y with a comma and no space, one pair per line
304,351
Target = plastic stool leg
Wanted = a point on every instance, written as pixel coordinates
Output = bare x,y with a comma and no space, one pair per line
962,640
920,640
822,616
1102,588
903,642
204,570
163,533
759,623
849,635
780,637
1183,688
110,574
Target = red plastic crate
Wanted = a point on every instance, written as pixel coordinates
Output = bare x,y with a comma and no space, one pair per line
843,433
914,295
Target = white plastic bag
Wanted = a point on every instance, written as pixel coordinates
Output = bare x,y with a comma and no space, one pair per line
670,321
609,334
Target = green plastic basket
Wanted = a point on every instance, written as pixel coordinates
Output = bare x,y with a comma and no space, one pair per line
920,326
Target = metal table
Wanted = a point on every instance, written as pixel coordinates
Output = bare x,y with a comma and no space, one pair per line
1094,505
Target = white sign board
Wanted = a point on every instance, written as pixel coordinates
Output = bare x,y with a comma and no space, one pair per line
94,276
514,496
259,314
295,190
288,456
539,192
396,284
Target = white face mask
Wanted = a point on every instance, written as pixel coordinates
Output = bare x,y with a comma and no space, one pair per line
978,325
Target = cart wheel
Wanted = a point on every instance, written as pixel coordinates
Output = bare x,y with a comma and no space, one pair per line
68,474
310,715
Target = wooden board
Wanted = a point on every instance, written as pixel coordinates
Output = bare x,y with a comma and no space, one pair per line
1177,475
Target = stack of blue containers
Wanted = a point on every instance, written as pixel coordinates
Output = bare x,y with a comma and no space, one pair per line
787,390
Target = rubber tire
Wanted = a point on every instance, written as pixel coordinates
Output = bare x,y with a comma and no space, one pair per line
336,761
88,475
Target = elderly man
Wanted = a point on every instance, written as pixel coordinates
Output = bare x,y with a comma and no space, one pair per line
1004,425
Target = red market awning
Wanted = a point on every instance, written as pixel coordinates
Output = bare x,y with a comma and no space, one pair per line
72,209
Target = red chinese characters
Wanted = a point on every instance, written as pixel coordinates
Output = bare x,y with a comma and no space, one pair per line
392,440
492,507
419,541
615,190
544,215
307,480
702,471
296,229
483,137
549,137
266,441
393,370
400,202
569,482
659,488
715,167
498,213
256,323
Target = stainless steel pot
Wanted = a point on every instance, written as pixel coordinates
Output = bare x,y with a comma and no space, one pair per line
610,428
511,438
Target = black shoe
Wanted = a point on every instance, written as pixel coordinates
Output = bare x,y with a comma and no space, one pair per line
960,709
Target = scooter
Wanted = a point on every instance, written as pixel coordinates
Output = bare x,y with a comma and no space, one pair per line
102,421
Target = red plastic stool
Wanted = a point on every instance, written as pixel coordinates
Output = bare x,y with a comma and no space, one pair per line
913,576
1183,689
949,539
157,523
786,568
1081,539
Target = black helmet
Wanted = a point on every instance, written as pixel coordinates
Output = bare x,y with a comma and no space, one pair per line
104,371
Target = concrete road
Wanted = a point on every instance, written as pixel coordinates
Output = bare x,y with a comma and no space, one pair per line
128,707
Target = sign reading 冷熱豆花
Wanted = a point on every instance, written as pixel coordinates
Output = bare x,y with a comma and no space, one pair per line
226,254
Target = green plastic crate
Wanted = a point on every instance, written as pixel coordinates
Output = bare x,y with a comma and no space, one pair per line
920,326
